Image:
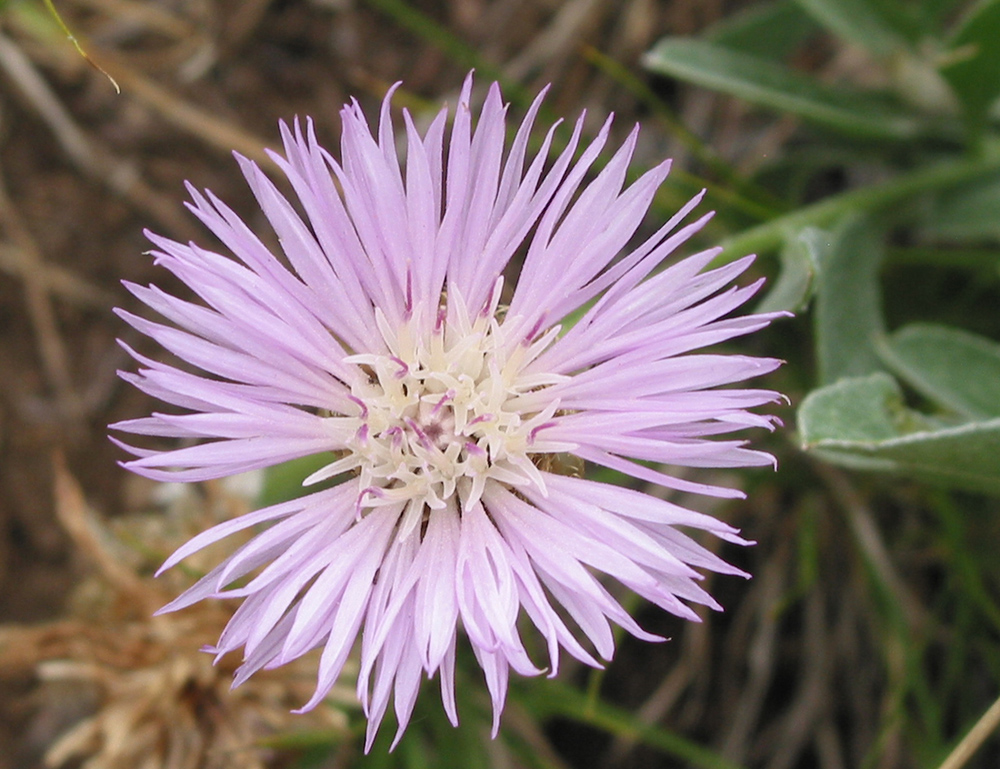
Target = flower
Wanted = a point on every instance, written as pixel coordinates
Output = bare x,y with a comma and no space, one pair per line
448,396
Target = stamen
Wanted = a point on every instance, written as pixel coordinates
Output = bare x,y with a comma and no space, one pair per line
416,445
408,306
404,369
444,399
534,329
535,431
374,491
397,436
361,405
421,435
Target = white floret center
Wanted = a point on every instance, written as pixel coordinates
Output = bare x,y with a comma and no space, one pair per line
443,416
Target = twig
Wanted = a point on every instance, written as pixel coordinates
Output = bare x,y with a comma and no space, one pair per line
761,660
150,15
799,723
972,741
561,36
76,43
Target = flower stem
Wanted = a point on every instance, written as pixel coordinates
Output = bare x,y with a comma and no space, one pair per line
768,236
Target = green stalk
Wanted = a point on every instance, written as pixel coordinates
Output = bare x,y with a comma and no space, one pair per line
768,236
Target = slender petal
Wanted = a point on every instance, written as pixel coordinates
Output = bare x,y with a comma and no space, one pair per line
389,337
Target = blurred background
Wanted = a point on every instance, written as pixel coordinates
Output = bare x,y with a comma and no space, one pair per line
853,144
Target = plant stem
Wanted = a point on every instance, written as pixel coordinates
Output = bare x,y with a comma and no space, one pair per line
768,236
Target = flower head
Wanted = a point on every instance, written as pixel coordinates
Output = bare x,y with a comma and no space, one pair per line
390,336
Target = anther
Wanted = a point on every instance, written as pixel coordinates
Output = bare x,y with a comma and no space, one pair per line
404,369
534,330
374,491
536,430
397,436
418,431
444,399
361,405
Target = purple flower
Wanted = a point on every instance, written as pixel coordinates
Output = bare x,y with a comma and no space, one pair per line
392,337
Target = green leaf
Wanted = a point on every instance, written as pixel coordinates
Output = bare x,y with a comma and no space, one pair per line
848,309
967,212
854,410
857,21
800,260
862,423
973,67
768,30
958,370
772,85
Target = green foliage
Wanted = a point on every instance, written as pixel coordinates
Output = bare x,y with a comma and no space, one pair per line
858,21
892,180
957,370
863,422
767,30
759,80
800,263
968,212
972,67
848,311
942,193
283,482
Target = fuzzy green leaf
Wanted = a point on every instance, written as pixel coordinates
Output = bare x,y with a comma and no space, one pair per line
958,370
800,261
862,423
967,212
848,309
